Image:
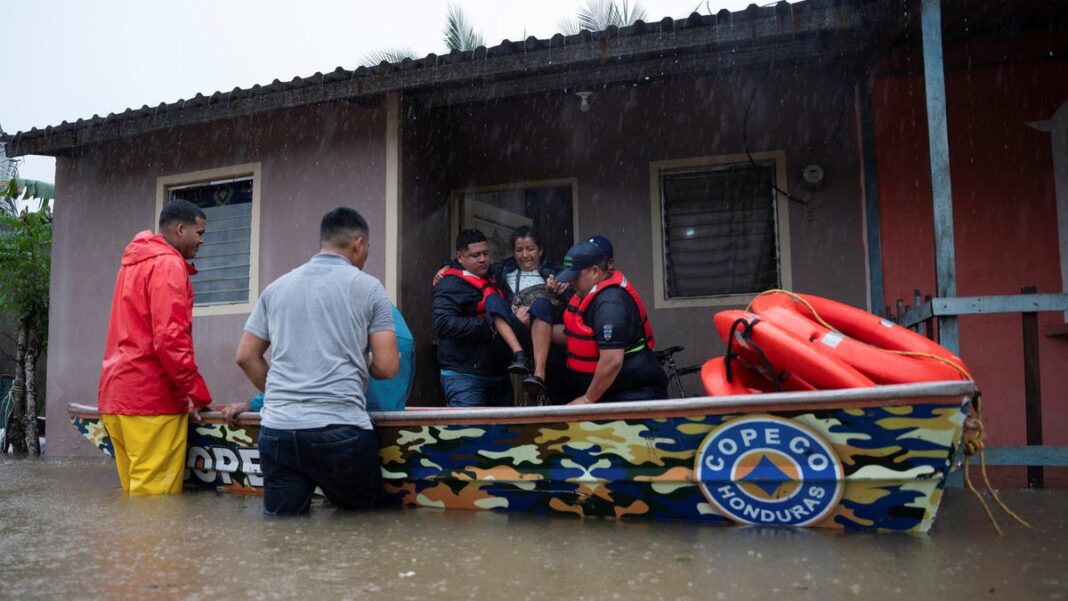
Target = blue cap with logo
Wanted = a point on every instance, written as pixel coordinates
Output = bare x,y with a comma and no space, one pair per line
579,257
604,244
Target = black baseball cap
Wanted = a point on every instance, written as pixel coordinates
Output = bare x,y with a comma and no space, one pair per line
605,245
579,257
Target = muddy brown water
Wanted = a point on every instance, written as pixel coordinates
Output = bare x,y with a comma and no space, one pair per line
67,531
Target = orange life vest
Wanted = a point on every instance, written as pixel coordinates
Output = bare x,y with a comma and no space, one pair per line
487,287
582,351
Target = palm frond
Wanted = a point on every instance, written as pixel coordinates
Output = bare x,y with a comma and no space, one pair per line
568,26
389,55
632,14
602,14
459,33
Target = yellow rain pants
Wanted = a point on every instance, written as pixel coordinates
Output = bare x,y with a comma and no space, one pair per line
149,451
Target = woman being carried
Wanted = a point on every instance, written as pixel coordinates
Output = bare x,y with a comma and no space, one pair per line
528,281
538,300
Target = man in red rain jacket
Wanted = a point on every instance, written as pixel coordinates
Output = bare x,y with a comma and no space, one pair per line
149,376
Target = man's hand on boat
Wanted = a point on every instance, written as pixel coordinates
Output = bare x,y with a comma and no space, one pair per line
231,411
194,413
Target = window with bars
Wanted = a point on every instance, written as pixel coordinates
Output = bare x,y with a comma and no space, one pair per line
720,232
224,260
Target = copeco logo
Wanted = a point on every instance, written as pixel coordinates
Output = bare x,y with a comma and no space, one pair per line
217,464
769,470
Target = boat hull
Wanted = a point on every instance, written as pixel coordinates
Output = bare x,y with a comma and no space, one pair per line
862,459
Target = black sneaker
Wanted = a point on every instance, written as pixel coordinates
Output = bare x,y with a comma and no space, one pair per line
520,364
534,386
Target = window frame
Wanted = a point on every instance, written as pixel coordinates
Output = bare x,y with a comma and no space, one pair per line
205,176
656,198
456,194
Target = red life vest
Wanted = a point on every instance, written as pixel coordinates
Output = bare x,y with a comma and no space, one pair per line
487,287
582,351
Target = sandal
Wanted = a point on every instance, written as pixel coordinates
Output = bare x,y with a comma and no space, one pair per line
534,386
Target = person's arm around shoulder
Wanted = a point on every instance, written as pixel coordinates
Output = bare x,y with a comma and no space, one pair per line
382,337
171,305
440,274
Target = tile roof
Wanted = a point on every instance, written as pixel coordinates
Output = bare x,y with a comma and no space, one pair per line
510,60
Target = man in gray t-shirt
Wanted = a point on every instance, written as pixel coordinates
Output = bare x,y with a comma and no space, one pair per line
320,320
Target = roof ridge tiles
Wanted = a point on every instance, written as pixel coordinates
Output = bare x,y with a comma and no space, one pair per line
338,74
616,37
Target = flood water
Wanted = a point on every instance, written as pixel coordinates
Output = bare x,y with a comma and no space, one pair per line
67,531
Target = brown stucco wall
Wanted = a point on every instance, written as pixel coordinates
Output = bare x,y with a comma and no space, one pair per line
313,159
807,114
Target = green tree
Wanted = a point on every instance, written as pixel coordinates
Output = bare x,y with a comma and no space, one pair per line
25,267
16,189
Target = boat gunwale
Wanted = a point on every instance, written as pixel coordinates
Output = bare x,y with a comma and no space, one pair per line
941,393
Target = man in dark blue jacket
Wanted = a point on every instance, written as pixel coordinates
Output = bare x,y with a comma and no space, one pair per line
472,352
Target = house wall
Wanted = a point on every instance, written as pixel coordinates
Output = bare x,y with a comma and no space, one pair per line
1004,213
313,159
804,112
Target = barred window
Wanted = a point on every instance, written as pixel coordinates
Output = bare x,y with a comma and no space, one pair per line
224,260
721,230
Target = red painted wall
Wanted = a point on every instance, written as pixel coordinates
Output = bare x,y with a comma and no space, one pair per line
1005,219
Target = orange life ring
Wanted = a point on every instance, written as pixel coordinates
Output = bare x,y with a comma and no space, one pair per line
872,329
745,379
881,366
714,378
785,352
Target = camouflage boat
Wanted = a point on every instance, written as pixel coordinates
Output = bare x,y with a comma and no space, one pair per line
870,458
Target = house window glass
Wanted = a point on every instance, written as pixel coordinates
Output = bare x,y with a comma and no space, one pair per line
224,260
548,209
719,230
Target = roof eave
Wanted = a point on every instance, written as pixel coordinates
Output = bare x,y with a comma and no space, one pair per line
461,75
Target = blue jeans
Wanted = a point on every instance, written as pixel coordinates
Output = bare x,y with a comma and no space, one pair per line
342,460
475,390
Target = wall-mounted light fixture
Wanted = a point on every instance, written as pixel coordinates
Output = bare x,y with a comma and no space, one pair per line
585,96
813,177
